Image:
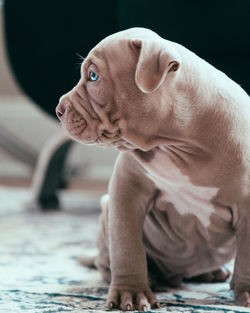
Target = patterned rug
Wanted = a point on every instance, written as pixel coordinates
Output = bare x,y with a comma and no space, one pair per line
39,271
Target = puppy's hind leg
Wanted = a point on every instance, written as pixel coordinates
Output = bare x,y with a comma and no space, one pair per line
101,260
218,276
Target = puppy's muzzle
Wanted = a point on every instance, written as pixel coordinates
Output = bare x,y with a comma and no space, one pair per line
77,117
71,118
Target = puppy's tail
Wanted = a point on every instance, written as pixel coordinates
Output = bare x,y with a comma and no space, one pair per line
87,261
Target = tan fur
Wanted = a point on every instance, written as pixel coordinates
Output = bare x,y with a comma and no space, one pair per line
180,190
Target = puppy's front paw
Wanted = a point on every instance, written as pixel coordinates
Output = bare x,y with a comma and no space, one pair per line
129,298
242,298
241,293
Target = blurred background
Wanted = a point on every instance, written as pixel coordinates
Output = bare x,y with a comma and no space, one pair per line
40,44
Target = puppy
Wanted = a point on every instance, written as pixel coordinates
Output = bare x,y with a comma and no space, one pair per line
179,196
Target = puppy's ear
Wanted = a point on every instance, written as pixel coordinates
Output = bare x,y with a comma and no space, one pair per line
155,61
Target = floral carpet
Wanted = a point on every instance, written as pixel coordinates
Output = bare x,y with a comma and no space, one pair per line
39,271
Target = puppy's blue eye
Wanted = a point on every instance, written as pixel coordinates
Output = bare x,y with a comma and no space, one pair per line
93,76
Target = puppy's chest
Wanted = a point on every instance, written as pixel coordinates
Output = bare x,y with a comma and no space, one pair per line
176,188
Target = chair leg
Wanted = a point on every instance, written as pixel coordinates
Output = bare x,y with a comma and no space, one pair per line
48,175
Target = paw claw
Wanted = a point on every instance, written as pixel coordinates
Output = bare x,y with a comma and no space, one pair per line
128,307
128,299
156,305
111,305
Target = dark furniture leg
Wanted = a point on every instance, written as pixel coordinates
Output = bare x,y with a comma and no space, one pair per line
49,172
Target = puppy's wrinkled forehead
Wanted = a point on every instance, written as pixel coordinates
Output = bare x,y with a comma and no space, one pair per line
112,55
118,50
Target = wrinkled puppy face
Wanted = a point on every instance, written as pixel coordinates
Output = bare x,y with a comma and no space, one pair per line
114,101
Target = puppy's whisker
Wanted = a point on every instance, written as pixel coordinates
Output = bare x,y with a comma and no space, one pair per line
80,57
78,65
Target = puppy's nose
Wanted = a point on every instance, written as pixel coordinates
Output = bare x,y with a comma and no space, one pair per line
60,110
